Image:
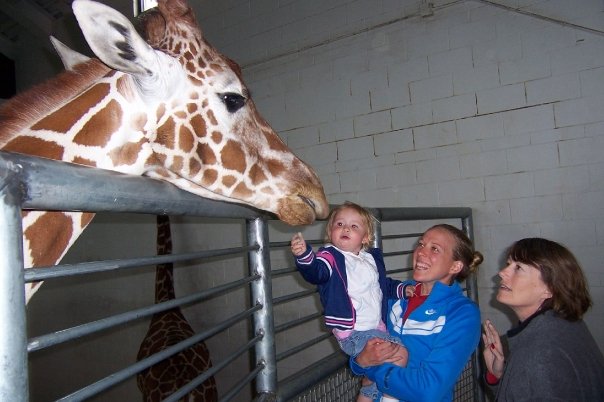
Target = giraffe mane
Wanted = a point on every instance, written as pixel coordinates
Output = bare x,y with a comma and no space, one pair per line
29,106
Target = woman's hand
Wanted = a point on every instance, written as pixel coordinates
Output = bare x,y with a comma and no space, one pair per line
493,350
378,351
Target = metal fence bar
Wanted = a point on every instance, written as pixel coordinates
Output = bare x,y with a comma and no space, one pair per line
31,183
13,345
467,224
296,322
259,263
303,346
119,376
57,271
53,185
216,368
55,338
298,382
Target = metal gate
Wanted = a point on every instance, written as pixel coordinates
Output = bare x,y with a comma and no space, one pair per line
34,183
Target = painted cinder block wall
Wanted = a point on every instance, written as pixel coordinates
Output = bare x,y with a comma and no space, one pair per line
468,104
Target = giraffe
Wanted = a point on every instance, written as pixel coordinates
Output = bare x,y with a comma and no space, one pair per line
166,329
168,106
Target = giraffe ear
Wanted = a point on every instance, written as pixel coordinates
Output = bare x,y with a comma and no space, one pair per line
112,37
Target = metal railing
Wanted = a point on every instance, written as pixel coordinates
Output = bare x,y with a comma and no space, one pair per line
34,183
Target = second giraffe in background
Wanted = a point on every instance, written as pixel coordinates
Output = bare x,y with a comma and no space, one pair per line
168,328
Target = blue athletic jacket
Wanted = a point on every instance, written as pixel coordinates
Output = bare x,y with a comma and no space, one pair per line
327,270
440,335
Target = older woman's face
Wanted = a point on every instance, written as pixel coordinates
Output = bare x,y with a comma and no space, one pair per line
433,259
522,288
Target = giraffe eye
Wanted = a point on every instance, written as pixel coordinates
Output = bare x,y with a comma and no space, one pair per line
233,101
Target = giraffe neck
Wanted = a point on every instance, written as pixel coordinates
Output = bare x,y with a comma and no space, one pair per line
89,116
28,107
164,273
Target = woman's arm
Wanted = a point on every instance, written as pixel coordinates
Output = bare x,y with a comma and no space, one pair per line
436,374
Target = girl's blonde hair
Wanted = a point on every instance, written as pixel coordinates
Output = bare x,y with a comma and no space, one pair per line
366,216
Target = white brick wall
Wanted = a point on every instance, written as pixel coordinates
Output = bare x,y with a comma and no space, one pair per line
475,106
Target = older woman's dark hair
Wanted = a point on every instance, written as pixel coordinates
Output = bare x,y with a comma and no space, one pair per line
560,271
462,251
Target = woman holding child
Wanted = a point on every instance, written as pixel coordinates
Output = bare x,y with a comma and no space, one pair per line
438,325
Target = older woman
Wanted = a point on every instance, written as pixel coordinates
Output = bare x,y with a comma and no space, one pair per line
552,355
439,326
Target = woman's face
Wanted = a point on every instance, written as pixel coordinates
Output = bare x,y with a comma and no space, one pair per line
433,259
522,288
348,231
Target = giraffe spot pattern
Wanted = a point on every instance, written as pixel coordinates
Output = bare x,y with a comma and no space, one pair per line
274,142
99,128
201,62
217,137
126,154
233,157
243,191
190,67
275,167
177,164
35,146
209,177
185,139
257,175
212,118
194,167
191,108
83,161
47,247
199,125
65,117
216,68
160,159
206,154
165,133
228,181
85,219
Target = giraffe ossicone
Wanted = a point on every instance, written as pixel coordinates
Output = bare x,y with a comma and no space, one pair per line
168,106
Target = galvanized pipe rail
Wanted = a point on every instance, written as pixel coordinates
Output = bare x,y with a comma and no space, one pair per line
33,183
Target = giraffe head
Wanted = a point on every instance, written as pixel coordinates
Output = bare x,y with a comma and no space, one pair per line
203,130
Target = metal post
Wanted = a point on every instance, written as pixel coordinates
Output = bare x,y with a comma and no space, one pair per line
472,288
13,339
259,263
377,233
